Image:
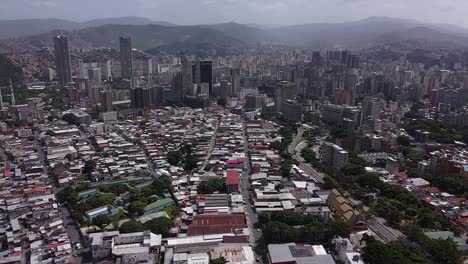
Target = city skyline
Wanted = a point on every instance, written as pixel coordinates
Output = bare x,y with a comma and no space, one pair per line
278,12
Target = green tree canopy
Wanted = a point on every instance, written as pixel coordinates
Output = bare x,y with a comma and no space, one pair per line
131,226
161,225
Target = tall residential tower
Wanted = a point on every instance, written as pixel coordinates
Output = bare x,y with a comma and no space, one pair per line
126,58
62,59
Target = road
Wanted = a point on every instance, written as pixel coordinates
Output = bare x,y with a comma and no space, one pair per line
256,238
71,226
295,150
381,230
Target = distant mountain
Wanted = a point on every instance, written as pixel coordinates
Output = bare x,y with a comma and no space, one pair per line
25,27
367,32
129,20
245,33
17,28
229,37
145,37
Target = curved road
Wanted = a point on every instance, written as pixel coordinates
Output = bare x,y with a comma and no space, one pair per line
295,150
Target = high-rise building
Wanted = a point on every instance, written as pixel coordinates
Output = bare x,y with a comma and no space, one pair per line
334,155
62,59
284,90
94,74
187,80
1,101
106,100
202,72
126,58
140,98
12,93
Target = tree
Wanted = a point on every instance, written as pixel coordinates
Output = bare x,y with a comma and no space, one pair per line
370,180
220,260
174,157
190,162
101,199
136,208
340,228
329,183
131,226
285,167
161,225
221,101
69,157
89,166
69,195
116,189
211,186
352,169
277,232
101,220
445,251
377,252
403,141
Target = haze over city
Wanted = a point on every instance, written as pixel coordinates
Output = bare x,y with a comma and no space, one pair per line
233,131
285,12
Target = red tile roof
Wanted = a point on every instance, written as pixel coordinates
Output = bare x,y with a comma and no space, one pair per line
216,224
235,239
232,177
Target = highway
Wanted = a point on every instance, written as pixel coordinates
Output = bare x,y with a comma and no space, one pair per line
381,230
295,150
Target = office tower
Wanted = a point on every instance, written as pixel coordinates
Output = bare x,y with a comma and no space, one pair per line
187,80
254,102
203,73
177,91
93,94
196,72
156,95
284,90
13,100
316,58
224,89
94,74
62,59
1,100
235,86
334,155
106,100
126,58
206,75
292,110
140,98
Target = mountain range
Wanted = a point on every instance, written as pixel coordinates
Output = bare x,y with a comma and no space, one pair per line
155,36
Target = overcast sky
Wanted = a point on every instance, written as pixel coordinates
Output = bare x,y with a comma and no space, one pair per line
242,11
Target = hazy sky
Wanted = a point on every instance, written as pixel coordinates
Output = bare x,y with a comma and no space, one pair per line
242,11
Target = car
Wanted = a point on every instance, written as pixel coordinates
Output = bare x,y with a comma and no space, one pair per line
259,230
257,259
78,246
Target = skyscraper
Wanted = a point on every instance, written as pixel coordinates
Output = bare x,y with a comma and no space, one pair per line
140,98
187,79
126,58
203,73
13,100
106,100
1,101
284,90
62,59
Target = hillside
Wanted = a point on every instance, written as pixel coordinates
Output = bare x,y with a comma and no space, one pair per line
146,37
26,27
232,37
